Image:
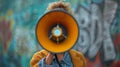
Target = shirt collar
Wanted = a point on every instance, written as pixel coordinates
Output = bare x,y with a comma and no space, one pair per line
66,59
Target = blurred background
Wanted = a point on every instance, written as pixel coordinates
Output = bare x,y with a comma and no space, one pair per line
98,20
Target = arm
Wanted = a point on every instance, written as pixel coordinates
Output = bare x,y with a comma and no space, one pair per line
42,59
37,57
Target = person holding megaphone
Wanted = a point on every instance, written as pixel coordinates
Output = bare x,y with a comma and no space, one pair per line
57,32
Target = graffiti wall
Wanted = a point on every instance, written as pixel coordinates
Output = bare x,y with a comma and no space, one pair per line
97,39
98,20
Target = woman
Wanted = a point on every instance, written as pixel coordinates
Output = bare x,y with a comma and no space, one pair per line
71,58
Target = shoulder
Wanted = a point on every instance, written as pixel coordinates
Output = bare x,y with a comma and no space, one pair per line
76,57
75,53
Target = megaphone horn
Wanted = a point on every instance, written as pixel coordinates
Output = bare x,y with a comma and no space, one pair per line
57,31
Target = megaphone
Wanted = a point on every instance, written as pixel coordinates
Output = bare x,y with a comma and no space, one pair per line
57,31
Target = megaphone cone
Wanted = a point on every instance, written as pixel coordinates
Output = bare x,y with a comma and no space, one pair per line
57,31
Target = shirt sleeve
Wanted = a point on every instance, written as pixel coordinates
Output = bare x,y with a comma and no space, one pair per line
43,64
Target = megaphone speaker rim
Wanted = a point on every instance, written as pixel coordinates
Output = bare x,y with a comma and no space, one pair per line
52,49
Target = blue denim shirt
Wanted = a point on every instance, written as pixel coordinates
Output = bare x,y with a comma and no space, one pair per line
65,62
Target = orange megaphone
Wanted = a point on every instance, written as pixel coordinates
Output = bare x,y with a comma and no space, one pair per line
57,31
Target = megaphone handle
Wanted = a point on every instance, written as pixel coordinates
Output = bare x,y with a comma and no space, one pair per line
57,60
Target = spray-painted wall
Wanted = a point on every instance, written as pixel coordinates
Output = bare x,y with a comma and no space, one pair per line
96,37
98,21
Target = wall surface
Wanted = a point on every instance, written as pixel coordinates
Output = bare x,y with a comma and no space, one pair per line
98,20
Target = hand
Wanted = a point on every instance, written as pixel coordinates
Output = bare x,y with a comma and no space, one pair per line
49,58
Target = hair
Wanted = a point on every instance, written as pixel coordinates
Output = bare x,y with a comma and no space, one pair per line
60,4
